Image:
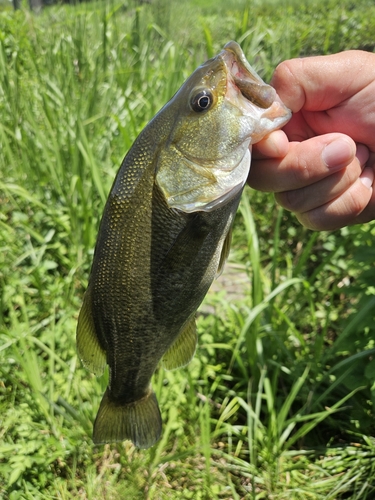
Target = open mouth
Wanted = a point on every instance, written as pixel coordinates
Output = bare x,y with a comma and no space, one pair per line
244,77
247,91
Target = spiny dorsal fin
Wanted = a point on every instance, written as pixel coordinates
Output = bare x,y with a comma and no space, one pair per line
89,350
183,349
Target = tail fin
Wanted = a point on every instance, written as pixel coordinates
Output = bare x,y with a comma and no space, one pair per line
139,421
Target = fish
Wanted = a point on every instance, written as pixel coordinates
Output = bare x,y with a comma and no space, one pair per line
165,235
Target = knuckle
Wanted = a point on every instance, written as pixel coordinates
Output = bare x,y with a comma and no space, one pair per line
301,170
283,72
352,173
291,200
355,203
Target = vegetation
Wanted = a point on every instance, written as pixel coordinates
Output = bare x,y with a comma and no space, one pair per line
279,400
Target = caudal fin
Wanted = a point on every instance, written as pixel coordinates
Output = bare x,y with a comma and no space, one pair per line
140,421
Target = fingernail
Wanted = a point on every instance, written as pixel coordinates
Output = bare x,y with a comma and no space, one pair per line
338,154
367,177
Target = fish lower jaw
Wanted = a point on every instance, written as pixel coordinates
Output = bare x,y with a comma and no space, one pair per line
209,206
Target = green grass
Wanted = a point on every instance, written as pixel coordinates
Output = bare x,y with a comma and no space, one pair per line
279,399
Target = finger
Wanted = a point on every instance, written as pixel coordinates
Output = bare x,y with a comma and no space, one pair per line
367,177
274,145
299,82
323,191
306,162
298,129
363,154
345,210
368,214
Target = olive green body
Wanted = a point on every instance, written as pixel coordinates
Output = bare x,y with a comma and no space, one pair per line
152,268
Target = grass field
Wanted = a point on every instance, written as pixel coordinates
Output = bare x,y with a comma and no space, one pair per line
278,402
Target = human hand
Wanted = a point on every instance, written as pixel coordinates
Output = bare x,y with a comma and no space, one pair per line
322,165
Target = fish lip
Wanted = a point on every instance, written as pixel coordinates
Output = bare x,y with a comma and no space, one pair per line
231,54
246,87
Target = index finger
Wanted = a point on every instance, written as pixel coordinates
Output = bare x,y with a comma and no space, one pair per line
321,82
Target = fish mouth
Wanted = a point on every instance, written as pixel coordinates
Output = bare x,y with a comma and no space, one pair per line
246,89
245,78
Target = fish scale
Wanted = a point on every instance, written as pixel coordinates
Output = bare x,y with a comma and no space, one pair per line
165,234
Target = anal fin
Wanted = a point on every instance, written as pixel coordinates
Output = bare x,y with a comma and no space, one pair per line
89,350
183,349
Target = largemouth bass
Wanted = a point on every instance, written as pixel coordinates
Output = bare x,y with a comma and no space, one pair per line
165,234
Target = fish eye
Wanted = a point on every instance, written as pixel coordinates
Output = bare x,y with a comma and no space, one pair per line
201,101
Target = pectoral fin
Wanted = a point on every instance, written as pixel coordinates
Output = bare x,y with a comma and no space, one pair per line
224,252
182,350
186,246
91,353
